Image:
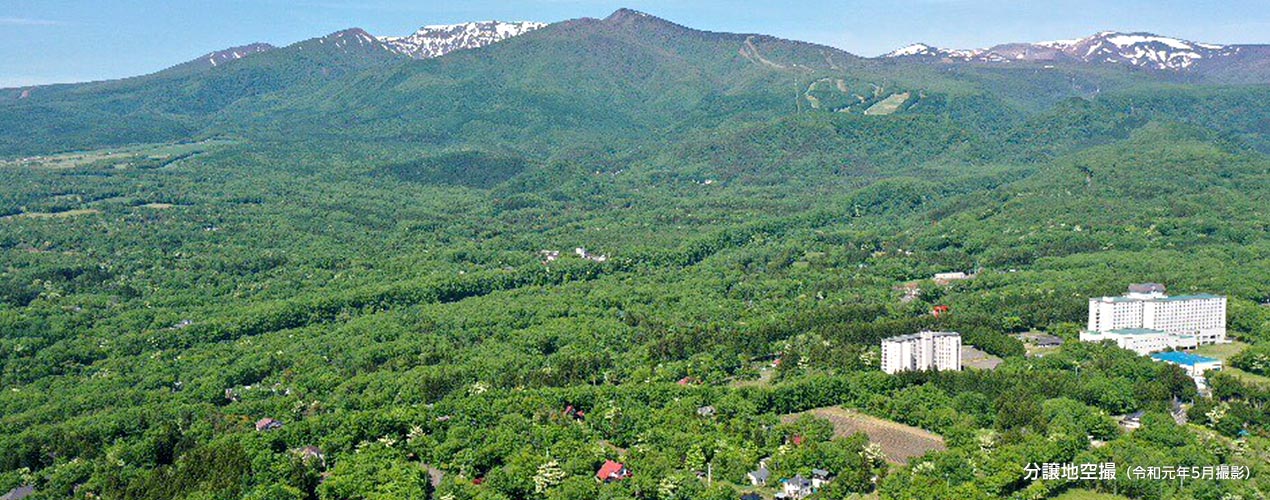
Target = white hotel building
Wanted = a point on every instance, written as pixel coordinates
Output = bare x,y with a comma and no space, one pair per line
1146,320
922,351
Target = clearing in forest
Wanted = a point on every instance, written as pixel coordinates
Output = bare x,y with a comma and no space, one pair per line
157,152
889,105
899,442
53,215
1224,352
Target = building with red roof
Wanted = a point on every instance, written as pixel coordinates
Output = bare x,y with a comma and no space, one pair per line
611,471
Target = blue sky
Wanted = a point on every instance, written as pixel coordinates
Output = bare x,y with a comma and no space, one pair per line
44,41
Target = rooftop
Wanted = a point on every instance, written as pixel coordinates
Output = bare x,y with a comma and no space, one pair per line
798,481
915,336
1118,299
1198,296
1146,288
1181,358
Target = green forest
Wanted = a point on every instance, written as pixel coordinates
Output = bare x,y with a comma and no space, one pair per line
330,274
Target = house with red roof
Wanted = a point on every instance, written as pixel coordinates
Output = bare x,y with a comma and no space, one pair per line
267,424
612,471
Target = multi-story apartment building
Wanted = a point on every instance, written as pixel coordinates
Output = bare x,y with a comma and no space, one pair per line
1146,306
1202,315
922,351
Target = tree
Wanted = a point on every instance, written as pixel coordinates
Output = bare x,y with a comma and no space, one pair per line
375,472
549,474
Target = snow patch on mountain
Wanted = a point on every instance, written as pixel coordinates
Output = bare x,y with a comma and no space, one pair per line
438,40
234,53
912,50
1137,49
921,49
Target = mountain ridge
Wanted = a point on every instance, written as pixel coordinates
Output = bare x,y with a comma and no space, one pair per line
630,71
1137,49
437,40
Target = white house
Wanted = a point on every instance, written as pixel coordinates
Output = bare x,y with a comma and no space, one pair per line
819,478
759,477
795,488
922,351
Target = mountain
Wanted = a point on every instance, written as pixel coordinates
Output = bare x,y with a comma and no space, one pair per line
438,40
1140,50
627,75
535,88
177,102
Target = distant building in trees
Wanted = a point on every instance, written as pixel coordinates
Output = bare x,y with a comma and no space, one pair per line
312,454
946,278
1037,339
759,477
1132,421
820,477
612,471
795,488
922,351
267,424
581,252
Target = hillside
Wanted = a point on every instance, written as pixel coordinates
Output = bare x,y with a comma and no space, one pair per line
176,103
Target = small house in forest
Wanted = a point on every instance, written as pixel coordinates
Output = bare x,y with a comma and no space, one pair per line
267,424
795,488
312,454
946,278
819,478
612,471
759,477
1132,421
